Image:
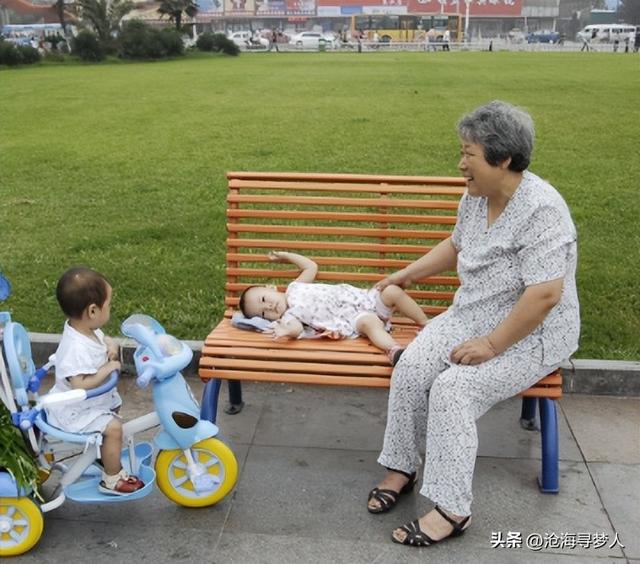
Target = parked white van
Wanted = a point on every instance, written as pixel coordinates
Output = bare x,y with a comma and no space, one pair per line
607,33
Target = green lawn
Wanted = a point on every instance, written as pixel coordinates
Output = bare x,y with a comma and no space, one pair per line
122,166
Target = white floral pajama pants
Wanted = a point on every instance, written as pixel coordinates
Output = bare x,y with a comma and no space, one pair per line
434,399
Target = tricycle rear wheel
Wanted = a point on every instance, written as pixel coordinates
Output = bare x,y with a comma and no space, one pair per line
21,525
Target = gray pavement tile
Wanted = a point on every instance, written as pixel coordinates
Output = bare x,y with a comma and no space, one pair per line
275,549
500,434
318,493
326,417
506,498
607,428
102,543
322,417
619,487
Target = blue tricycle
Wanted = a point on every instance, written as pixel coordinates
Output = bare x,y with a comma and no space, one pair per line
191,465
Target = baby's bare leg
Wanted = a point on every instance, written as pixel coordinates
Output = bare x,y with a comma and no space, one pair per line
111,447
373,327
396,298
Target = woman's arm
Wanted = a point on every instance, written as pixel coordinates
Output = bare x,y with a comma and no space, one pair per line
90,381
442,257
529,311
306,265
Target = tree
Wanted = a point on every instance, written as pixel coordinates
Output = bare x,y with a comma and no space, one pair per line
174,9
104,15
630,11
59,5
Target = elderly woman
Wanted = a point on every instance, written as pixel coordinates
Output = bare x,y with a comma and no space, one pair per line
513,320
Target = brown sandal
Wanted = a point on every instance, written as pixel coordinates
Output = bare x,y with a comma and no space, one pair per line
417,537
389,498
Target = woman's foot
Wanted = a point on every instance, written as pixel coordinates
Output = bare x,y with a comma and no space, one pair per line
431,528
394,354
384,497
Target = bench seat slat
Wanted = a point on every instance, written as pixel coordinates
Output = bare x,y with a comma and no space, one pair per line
343,202
307,230
335,217
296,378
275,367
345,177
290,354
341,247
432,280
422,189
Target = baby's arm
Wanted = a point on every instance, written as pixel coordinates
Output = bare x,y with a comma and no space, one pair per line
306,265
90,381
289,329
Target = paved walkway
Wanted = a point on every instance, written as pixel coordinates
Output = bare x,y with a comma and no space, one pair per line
307,460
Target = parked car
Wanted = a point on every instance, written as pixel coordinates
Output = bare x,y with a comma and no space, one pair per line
516,35
543,36
310,40
607,33
244,39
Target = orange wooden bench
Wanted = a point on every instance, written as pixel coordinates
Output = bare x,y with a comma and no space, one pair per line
358,229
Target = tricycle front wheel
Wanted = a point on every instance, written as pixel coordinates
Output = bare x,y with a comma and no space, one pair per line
21,525
214,456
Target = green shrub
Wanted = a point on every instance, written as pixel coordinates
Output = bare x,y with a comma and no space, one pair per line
172,43
13,55
140,41
205,42
9,55
217,42
86,46
28,54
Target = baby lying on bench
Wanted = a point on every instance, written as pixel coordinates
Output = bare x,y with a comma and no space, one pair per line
338,310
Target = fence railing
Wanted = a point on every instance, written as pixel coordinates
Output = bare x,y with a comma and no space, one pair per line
481,45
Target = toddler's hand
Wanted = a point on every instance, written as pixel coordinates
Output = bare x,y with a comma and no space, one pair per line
113,351
114,365
277,331
335,335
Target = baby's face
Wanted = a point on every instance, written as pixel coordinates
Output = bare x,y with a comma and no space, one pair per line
265,302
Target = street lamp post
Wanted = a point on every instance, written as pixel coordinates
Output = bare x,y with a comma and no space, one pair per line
466,20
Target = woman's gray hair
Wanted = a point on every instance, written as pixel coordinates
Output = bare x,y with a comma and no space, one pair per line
504,131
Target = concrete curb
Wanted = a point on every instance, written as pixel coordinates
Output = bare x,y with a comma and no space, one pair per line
581,376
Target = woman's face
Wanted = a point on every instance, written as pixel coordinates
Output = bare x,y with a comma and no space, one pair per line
482,178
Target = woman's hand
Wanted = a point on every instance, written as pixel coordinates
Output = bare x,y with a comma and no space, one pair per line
397,278
473,352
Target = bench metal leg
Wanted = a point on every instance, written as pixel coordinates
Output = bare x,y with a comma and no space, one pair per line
548,482
528,413
209,407
235,397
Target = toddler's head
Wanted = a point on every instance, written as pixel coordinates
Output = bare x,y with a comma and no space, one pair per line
263,301
85,295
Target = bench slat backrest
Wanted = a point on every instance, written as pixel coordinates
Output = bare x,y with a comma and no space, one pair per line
358,228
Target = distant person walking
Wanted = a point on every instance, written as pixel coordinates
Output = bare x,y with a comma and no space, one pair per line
274,40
